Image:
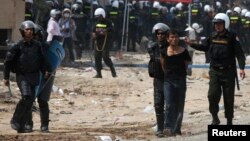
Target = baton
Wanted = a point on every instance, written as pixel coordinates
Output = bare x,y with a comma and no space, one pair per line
237,81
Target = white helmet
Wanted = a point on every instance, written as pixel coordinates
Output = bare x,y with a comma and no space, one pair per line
179,6
237,9
247,14
229,11
222,17
243,12
164,9
195,26
207,8
115,4
160,26
29,1
172,9
94,2
218,4
156,4
121,1
100,11
79,1
54,13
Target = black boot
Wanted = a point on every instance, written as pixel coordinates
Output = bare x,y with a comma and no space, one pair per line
160,125
98,75
229,121
216,120
15,125
29,122
44,115
45,128
18,120
113,71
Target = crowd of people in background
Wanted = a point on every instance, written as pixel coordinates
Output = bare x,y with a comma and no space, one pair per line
142,16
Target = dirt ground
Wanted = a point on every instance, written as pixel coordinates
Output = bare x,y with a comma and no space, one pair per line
83,108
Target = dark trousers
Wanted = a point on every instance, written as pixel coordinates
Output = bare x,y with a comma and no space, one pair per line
159,102
99,55
68,43
25,103
43,99
222,81
175,94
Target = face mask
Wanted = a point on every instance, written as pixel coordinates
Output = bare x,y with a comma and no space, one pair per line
66,15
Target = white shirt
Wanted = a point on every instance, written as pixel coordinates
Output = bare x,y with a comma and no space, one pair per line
53,29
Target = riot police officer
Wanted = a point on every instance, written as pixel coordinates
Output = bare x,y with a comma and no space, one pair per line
223,47
44,96
18,58
29,12
102,35
156,72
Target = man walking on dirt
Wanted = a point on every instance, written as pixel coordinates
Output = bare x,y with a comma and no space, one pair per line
223,47
156,72
25,59
102,35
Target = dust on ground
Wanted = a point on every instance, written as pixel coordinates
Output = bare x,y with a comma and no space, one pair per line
85,108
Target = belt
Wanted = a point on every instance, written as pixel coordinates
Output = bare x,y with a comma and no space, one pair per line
221,67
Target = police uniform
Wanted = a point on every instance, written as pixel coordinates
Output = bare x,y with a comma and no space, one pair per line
223,49
103,30
114,16
27,77
156,72
133,30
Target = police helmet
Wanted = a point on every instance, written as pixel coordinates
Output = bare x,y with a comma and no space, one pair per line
115,4
247,14
156,4
160,26
54,13
39,31
222,17
164,9
179,6
218,4
243,12
237,9
121,1
29,1
26,25
195,26
94,2
229,11
207,8
110,2
100,11
66,5
79,2
173,10
50,3
76,8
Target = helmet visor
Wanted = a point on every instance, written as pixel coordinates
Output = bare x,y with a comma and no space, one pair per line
218,21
